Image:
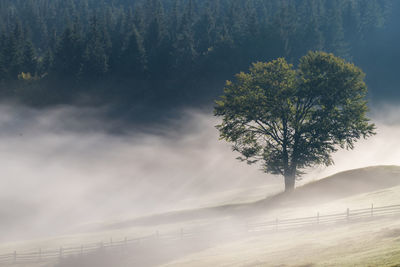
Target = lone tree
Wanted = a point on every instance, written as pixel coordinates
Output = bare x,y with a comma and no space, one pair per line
290,119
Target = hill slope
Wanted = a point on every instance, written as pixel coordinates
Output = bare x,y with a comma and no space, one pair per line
379,185
341,185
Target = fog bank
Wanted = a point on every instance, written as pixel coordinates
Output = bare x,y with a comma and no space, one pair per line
65,166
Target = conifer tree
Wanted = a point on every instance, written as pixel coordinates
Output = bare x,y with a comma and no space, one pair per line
12,57
29,60
184,49
173,40
2,68
157,45
68,56
95,59
335,39
133,56
46,63
205,31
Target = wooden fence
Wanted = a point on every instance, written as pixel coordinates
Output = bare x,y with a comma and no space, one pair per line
272,225
348,215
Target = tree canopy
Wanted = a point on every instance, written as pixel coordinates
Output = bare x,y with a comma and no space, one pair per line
165,51
290,119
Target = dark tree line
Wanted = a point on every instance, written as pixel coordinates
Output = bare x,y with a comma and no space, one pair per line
164,52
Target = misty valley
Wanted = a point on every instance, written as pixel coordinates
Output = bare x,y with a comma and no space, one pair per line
199,133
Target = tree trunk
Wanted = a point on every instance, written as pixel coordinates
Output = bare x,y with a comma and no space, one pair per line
290,180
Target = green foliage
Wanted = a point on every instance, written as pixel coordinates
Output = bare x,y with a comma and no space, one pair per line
68,55
290,119
138,45
46,63
133,59
11,57
29,61
95,59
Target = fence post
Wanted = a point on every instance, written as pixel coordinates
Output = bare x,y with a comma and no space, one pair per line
81,250
111,241
276,224
348,214
372,209
318,217
125,240
61,252
15,256
40,254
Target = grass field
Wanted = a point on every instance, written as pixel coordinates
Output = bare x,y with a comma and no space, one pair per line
374,243
361,243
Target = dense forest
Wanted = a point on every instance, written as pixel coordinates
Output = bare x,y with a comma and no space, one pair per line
169,53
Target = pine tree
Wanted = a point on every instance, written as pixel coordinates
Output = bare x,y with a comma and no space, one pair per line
155,32
372,15
18,33
157,44
170,41
334,33
12,57
45,64
29,60
174,20
137,19
68,56
205,31
286,26
184,48
133,60
351,17
95,59
235,21
3,73
311,36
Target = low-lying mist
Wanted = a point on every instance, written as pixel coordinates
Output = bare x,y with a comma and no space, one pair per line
66,166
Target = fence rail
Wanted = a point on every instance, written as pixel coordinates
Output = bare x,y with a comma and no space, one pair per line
272,225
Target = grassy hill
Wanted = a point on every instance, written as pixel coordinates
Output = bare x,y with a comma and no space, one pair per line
339,186
342,245
364,243
353,182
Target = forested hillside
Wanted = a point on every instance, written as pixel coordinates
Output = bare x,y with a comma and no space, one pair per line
164,53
